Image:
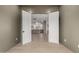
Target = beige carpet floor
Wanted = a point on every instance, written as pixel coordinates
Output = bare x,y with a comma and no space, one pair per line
39,44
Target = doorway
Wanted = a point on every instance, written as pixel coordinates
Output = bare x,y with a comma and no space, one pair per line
45,25
39,27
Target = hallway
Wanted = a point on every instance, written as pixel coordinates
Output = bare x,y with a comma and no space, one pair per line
39,44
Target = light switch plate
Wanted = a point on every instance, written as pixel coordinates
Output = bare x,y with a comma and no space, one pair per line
65,40
78,45
16,39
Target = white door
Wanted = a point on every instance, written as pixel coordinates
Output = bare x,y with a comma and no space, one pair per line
26,27
54,27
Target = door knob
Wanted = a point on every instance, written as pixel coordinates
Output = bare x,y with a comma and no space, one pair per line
22,31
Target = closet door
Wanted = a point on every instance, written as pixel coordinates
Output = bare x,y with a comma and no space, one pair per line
26,27
54,27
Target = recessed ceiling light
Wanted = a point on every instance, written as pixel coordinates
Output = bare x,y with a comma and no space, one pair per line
48,11
30,11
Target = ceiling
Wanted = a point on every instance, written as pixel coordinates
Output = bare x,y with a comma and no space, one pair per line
40,9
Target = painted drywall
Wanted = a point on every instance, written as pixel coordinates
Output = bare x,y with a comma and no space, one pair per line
9,26
69,27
